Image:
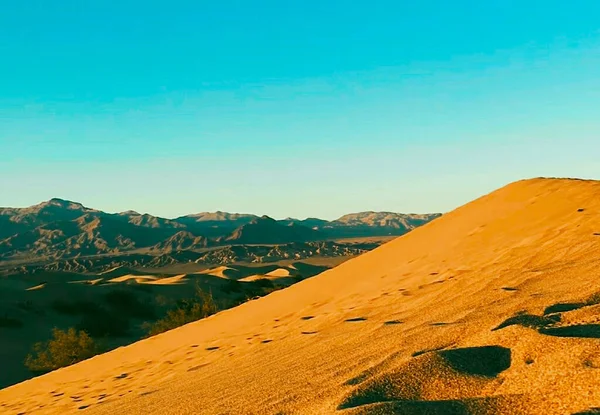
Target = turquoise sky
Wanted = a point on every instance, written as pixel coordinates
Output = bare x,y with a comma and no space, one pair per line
293,108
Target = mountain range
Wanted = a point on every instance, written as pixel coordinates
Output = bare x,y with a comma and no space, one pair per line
62,229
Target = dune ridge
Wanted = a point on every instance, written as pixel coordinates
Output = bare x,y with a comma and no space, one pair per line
490,309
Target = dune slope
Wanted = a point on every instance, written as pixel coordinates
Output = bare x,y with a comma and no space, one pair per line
489,309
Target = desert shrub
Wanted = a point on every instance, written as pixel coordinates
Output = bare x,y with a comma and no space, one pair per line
128,303
64,349
186,311
260,288
10,322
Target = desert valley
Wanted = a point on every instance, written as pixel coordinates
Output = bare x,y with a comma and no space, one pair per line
122,277
492,308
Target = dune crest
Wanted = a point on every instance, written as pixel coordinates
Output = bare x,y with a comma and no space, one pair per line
490,309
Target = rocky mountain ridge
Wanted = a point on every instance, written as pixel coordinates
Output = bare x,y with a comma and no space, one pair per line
60,229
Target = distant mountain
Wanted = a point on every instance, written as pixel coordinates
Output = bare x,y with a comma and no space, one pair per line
14,220
312,223
215,224
380,223
181,241
365,224
61,229
149,221
265,230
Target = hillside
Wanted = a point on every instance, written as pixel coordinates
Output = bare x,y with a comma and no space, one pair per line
491,309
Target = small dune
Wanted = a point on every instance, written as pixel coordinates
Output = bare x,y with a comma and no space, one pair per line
175,280
222,272
37,287
136,278
279,272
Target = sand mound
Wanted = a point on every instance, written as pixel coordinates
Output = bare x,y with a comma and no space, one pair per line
222,272
279,272
256,277
118,272
88,282
490,309
136,278
175,280
37,287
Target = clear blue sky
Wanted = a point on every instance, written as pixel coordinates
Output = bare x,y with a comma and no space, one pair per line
293,108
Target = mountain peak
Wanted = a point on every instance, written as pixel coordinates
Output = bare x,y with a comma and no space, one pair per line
63,204
130,213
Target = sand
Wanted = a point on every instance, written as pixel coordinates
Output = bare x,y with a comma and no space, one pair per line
279,272
137,278
456,317
221,272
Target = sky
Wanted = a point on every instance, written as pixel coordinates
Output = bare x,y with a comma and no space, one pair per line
293,108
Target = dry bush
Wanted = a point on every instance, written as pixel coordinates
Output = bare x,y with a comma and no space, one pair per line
64,349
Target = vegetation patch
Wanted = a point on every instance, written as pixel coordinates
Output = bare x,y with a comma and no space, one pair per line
63,349
187,310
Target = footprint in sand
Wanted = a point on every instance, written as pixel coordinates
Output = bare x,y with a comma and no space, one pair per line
194,368
391,392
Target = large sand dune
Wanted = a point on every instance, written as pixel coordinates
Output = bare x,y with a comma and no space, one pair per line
457,317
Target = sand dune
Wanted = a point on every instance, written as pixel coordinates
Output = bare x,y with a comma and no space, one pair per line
136,278
37,287
95,281
279,272
490,309
176,279
222,272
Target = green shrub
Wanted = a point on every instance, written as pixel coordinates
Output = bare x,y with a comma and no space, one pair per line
64,349
186,311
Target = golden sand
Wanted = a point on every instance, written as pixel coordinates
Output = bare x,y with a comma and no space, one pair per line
456,317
